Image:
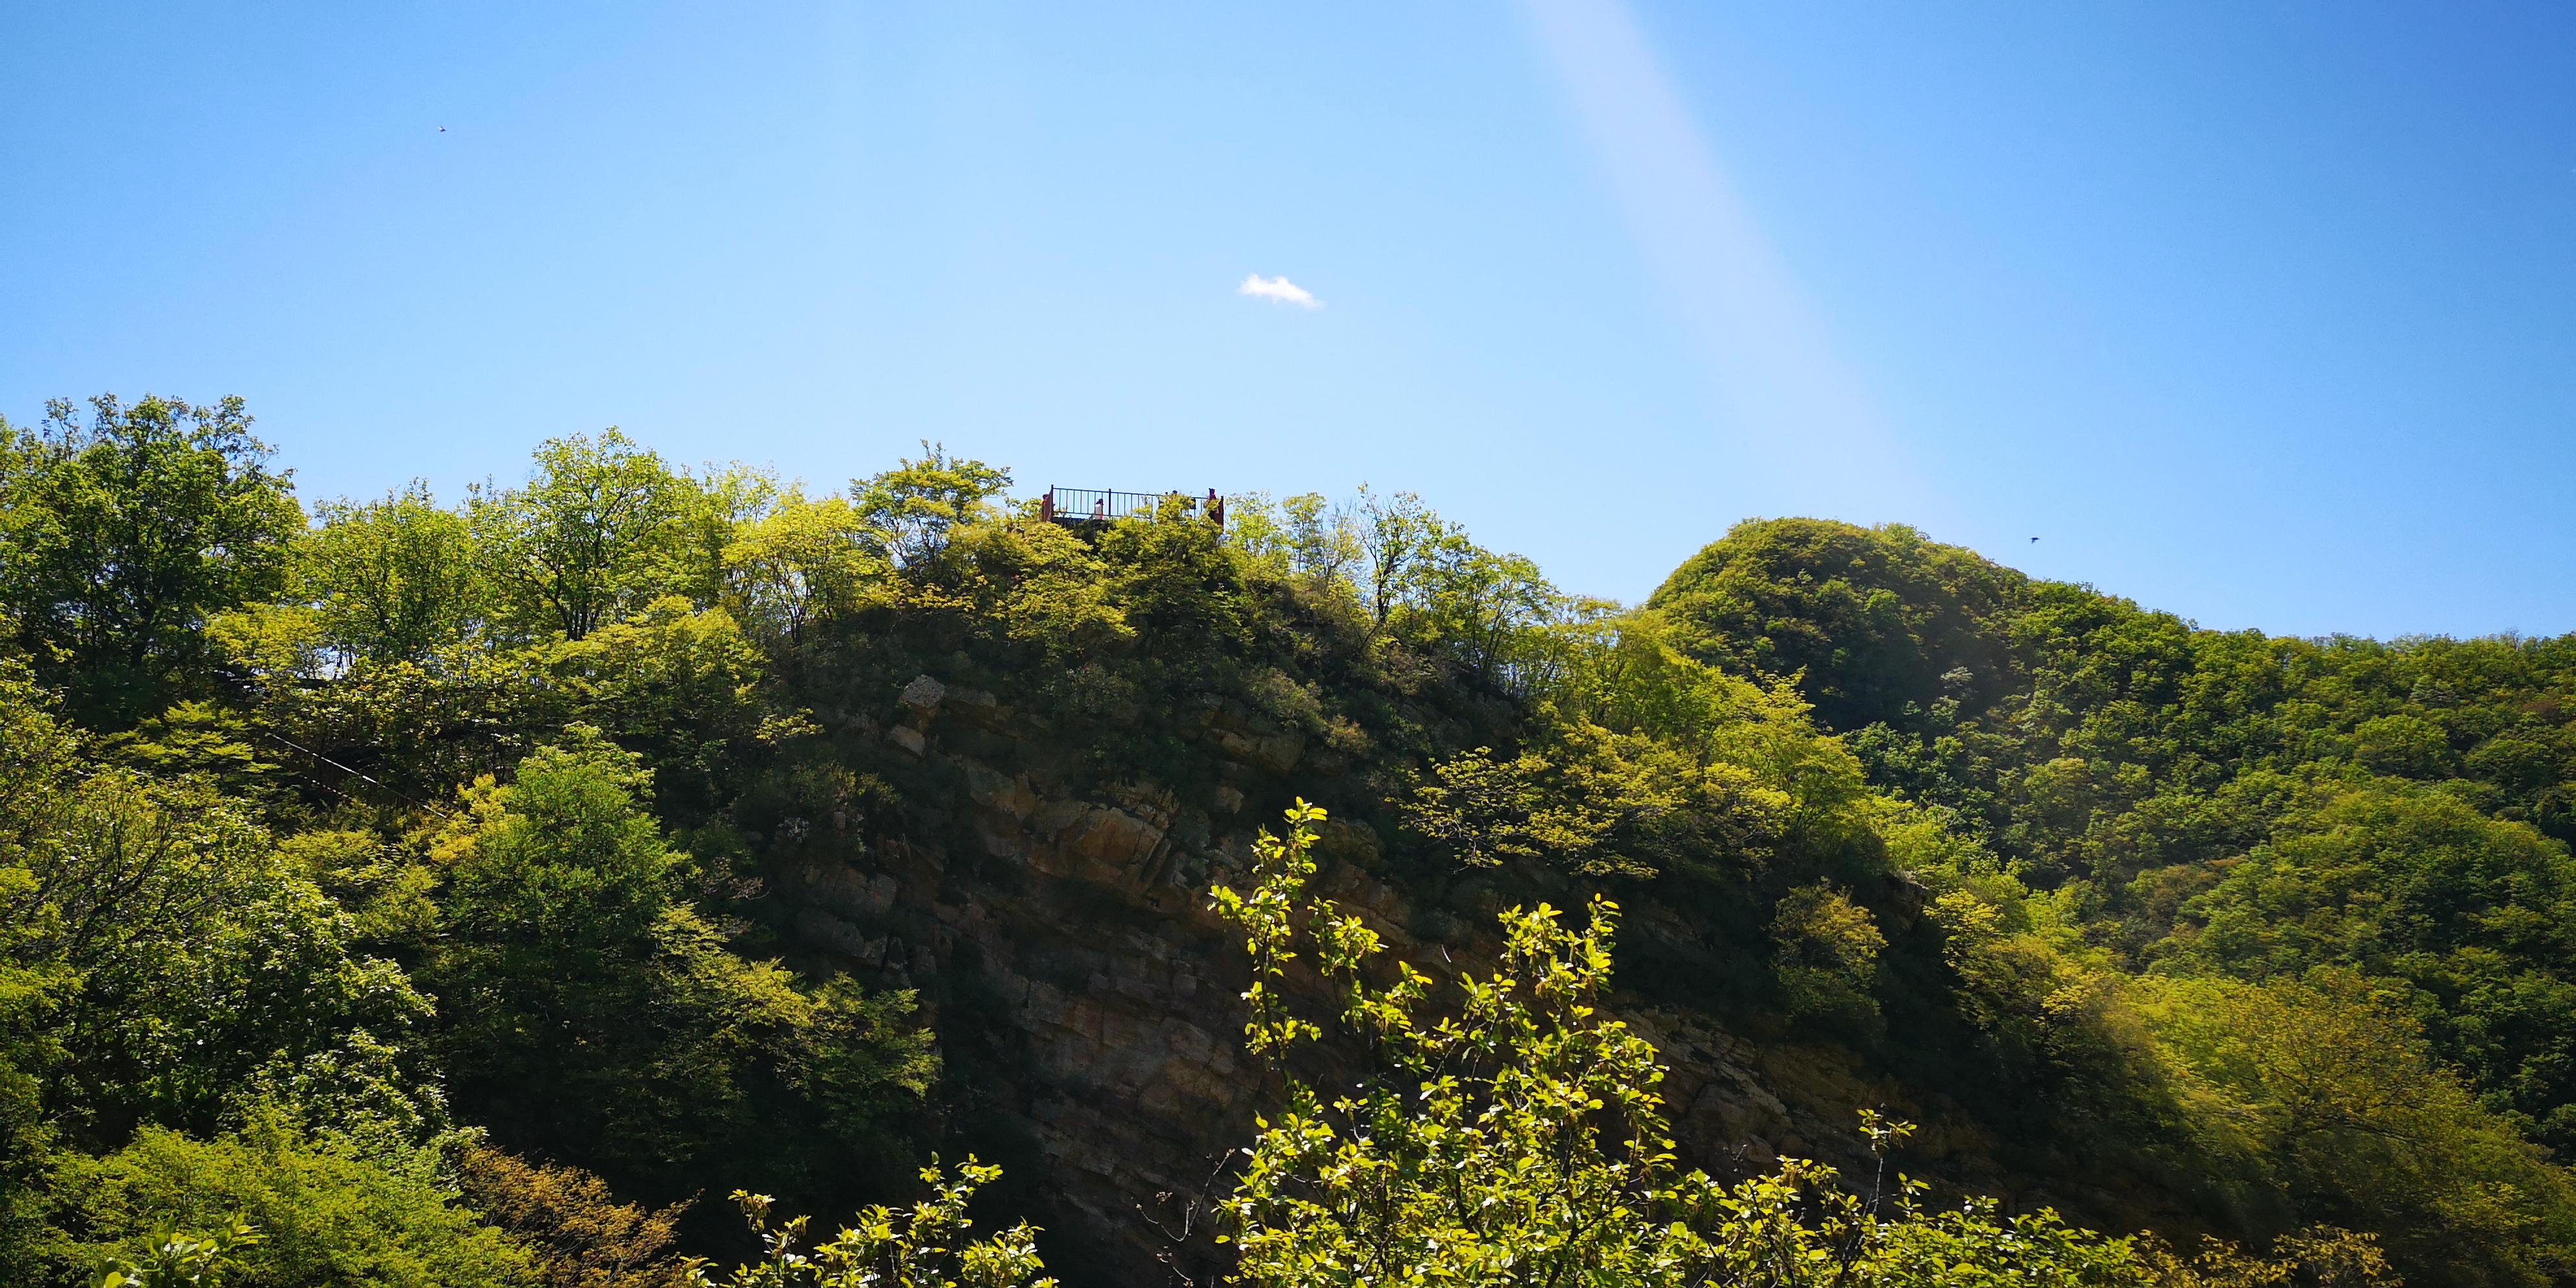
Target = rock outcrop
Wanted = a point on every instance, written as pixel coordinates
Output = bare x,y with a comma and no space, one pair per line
1080,927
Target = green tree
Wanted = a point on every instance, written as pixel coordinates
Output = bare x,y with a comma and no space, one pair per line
680,687
591,1013
207,972
602,527
1323,540
2476,915
119,539
35,755
168,964
1482,610
392,579
30,1052
801,563
1825,951
2334,1092
1600,803
1396,534
1877,620
329,1210
912,508
1176,585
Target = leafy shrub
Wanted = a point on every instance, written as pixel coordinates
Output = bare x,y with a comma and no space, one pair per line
1826,953
329,1210
575,1231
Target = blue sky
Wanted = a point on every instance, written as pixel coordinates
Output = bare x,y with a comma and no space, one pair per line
2258,313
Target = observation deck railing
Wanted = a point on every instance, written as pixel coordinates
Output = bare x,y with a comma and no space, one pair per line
1078,505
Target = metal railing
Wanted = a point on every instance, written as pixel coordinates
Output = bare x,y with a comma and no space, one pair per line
1078,505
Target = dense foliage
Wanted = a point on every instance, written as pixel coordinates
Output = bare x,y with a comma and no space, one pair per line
2319,885
387,892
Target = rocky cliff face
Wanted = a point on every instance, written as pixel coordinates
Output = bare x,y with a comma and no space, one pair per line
1077,928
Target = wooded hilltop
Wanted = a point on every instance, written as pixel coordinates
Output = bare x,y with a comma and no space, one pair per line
585,883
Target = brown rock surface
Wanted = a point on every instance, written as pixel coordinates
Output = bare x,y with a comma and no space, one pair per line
1084,927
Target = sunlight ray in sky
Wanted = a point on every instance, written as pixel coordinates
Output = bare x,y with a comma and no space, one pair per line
1795,402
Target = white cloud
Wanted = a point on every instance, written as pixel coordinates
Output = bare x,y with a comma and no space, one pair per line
1280,289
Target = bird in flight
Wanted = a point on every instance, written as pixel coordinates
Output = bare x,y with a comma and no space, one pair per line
2034,538
443,129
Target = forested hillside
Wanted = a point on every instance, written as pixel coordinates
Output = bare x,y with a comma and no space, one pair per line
407,891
